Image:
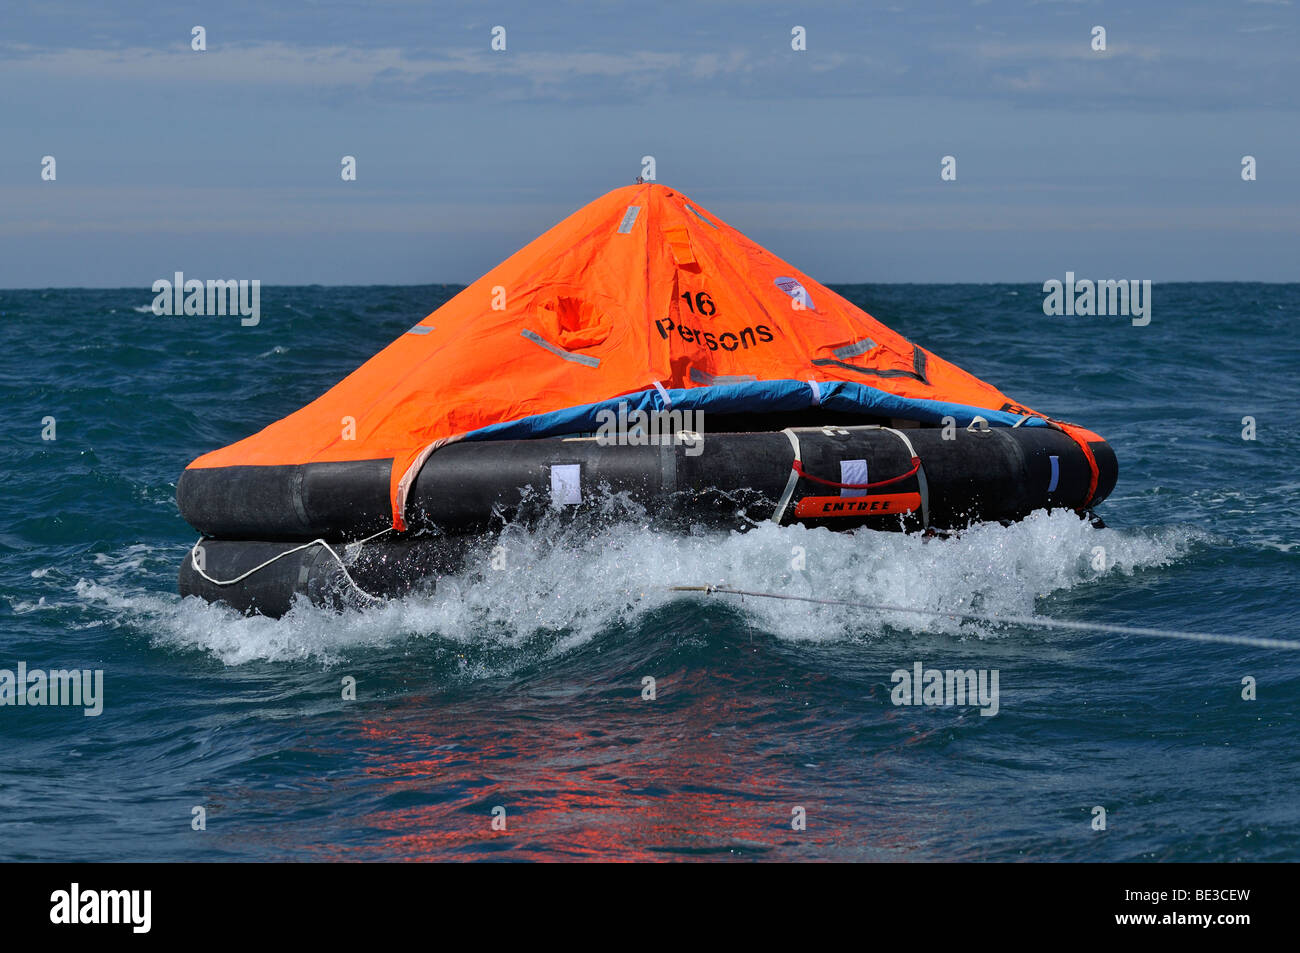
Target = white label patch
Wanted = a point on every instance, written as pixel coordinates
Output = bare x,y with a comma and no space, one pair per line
566,484
796,291
853,471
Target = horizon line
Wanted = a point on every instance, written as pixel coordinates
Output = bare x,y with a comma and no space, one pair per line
148,289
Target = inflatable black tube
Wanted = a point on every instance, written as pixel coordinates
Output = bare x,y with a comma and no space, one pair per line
386,568
468,488
999,474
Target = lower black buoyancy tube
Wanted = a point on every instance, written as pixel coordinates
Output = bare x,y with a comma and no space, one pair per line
265,577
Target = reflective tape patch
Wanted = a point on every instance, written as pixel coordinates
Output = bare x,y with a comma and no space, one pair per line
1056,474
699,216
830,507
559,351
853,471
917,372
421,329
566,484
854,349
704,377
629,219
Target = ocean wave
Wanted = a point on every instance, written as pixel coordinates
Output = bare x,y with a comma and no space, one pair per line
563,585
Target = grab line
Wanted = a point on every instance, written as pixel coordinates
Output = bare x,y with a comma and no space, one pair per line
289,552
1014,620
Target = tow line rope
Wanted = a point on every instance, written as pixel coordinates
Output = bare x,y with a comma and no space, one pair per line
289,552
1010,619
797,466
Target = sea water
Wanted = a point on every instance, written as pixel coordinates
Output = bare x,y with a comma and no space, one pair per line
567,705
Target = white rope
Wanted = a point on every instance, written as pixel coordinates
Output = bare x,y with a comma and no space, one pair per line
289,552
1014,620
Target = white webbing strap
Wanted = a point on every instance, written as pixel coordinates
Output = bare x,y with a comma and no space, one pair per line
791,483
921,485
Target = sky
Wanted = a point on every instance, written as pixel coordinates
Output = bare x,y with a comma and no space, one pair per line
225,163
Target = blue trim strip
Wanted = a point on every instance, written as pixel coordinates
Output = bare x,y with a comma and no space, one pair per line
750,397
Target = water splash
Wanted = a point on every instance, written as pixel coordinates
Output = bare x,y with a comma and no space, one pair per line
564,583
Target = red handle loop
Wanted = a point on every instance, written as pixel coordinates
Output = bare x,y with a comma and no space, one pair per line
797,466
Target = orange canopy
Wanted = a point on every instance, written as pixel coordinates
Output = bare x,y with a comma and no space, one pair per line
640,290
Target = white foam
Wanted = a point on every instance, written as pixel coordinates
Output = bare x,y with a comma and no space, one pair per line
565,584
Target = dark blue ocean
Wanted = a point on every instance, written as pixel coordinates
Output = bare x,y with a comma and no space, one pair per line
522,690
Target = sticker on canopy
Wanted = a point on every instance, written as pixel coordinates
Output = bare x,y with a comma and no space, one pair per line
802,299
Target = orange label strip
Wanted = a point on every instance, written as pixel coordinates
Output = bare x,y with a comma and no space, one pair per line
829,507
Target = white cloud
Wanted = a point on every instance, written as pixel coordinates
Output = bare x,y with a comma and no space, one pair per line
285,64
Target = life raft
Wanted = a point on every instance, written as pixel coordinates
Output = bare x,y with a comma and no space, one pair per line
272,536
783,401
